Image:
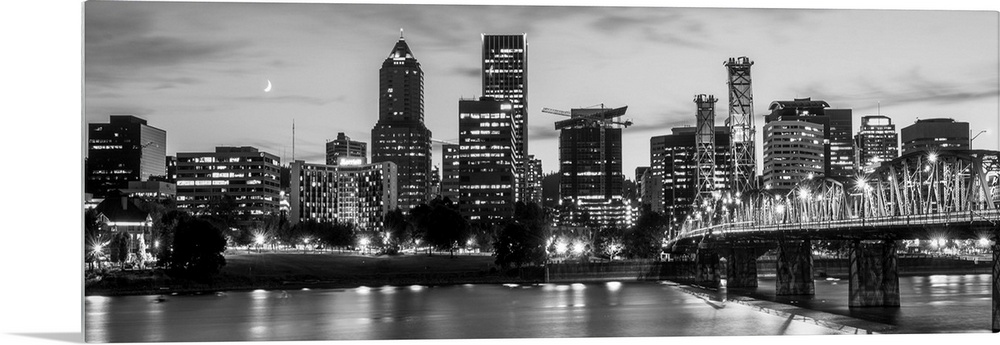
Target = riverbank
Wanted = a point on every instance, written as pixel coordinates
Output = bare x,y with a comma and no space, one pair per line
286,271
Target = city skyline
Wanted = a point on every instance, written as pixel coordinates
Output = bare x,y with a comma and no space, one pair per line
214,69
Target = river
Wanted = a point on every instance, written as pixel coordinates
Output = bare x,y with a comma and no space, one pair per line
934,304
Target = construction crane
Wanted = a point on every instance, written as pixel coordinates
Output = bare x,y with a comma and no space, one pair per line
602,118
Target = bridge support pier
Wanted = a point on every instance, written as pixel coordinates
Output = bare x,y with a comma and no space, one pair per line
795,268
741,271
707,266
996,283
874,278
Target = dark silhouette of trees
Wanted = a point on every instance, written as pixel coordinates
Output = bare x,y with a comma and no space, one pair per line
522,240
197,249
445,226
645,239
609,242
400,230
118,248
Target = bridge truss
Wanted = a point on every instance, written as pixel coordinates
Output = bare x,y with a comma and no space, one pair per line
927,188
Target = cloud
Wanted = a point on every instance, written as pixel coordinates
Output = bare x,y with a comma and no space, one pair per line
910,87
467,72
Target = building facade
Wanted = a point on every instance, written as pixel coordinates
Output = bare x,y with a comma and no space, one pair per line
450,172
590,165
836,124
344,147
505,77
876,142
400,135
935,135
122,150
793,151
487,160
242,178
533,192
678,167
360,194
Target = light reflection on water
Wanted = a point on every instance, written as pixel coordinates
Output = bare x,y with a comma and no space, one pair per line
498,311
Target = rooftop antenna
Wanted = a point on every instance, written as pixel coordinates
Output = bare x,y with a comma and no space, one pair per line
293,139
400,33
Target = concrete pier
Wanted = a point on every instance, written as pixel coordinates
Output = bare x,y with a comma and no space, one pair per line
874,280
741,271
795,268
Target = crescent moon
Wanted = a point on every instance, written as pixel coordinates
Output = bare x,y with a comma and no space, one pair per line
268,88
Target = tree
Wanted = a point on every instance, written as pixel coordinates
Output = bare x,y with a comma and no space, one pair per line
197,249
445,226
645,239
163,234
118,248
399,229
610,241
522,240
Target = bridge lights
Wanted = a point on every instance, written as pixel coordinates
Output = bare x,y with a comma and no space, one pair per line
932,157
803,194
984,242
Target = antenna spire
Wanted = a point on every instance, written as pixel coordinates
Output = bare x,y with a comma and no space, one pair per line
401,33
293,140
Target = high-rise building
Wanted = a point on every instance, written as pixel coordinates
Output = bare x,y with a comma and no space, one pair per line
241,178
344,147
793,151
449,172
171,169
836,126
400,135
360,194
935,135
678,167
505,77
590,162
487,160
533,193
122,150
435,181
875,143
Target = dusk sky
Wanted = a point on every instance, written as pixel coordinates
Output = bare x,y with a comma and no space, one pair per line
198,70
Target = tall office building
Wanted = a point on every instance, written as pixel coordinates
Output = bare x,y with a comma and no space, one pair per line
935,135
247,176
794,150
505,77
487,160
360,194
876,142
533,192
122,150
676,162
837,132
590,162
344,147
400,135
435,184
449,172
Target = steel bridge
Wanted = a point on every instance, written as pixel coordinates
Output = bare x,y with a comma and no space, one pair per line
922,196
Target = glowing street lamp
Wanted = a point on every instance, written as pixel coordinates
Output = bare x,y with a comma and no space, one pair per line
932,157
363,243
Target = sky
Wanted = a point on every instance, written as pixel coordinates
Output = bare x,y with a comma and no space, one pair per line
199,70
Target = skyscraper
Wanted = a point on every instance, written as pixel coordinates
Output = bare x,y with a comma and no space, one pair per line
122,150
837,132
793,151
505,77
400,135
449,172
590,162
533,176
487,183
935,135
344,147
876,142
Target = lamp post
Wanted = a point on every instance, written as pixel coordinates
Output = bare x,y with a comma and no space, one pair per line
974,137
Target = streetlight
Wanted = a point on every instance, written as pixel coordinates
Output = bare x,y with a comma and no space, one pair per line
974,137
363,243
259,240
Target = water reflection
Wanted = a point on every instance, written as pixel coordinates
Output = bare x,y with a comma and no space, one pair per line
512,310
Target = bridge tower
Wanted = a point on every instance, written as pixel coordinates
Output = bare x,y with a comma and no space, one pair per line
743,174
704,142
